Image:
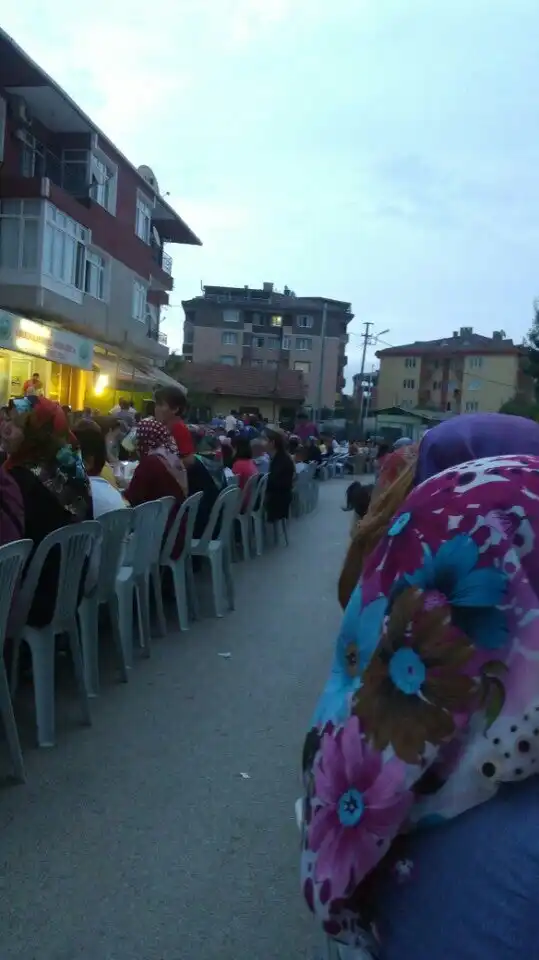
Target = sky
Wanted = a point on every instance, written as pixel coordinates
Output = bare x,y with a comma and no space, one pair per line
376,151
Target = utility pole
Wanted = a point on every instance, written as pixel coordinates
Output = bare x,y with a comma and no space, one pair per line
321,371
367,325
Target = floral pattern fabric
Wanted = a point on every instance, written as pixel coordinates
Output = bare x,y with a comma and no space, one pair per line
433,697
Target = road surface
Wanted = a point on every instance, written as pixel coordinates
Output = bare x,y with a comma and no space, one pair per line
140,838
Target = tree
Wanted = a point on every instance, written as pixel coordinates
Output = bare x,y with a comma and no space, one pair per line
174,365
521,406
531,343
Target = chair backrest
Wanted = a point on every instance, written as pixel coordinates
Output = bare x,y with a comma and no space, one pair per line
249,494
230,496
13,557
168,503
115,527
149,522
76,543
258,504
189,507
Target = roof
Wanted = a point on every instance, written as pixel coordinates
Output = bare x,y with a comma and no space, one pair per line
260,298
464,342
22,76
417,412
242,381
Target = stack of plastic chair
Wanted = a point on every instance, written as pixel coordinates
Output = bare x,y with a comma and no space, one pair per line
148,526
115,527
244,517
216,548
258,515
181,568
75,544
13,557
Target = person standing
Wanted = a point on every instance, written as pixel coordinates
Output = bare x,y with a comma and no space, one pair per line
231,423
33,387
170,407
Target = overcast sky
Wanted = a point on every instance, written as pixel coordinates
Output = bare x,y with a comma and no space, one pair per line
377,151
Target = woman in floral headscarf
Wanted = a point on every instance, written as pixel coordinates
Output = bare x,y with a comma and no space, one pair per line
432,709
160,472
45,462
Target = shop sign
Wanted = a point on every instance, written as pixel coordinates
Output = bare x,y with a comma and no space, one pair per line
39,340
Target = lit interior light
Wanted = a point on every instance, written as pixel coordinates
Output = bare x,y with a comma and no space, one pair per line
101,384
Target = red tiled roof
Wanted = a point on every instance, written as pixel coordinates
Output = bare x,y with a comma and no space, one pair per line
242,381
462,343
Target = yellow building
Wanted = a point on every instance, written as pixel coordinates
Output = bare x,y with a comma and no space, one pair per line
463,373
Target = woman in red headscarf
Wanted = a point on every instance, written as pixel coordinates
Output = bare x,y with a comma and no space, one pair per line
45,462
160,472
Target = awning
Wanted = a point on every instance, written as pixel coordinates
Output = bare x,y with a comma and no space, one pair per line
163,379
134,377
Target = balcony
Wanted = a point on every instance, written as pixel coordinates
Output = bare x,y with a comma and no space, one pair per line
157,336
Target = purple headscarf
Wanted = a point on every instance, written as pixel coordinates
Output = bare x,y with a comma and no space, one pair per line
472,437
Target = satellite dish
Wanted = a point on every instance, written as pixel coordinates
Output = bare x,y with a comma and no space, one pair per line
148,175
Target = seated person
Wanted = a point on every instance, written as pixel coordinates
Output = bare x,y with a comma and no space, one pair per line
105,496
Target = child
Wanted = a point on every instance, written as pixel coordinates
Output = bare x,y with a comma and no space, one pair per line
358,498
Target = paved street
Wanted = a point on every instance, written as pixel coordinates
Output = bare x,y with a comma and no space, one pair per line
138,839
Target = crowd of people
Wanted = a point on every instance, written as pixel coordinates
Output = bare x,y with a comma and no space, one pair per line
432,708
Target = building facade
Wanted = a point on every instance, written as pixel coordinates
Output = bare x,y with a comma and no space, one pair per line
241,326
463,373
82,246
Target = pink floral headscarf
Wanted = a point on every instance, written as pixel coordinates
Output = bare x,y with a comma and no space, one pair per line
433,699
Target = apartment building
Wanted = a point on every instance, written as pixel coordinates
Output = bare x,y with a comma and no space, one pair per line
277,330
462,373
84,272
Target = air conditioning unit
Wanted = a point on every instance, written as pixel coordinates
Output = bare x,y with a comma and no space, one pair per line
20,111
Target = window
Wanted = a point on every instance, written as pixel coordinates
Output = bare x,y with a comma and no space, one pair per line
75,171
302,366
257,363
143,218
273,343
408,384
188,333
258,342
259,319
64,249
229,361
476,362
474,385
32,157
304,343
231,316
103,177
19,234
139,301
304,320
472,406
287,343
409,362
229,338
94,275
272,364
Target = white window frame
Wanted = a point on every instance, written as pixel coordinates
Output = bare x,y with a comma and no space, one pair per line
228,360
273,343
138,307
472,406
258,342
287,342
231,316
229,338
304,344
305,321
143,217
408,384
409,362
64,248
476,363
474,385
96,266
105,186
26,211
300,364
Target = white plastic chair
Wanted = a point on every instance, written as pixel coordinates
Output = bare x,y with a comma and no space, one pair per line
115,527
13,557
148,526
243,518
217,550
258,515
155,576
75,543
181,569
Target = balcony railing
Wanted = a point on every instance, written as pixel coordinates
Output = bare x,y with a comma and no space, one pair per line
154,334
166,263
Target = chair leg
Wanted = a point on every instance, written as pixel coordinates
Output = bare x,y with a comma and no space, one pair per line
76,653
244,527
192,594
119,640
229,579
180,593
158,597
142,589
216,564
42,648
88,620
12,734
124,600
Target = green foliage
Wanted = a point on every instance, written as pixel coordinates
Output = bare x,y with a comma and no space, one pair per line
173,365
531,342
521,406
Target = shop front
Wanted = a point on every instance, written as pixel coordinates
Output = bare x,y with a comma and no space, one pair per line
62,359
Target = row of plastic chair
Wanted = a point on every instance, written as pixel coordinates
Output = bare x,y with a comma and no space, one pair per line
117,562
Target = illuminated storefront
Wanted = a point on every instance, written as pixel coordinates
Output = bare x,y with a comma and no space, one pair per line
61,358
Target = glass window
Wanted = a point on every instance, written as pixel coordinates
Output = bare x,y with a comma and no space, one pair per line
273,343
258,342
303,366
143,222
103,183
229,338
229,361
231,316
139,301
304,320
287,343
304,343
474,385
94,275
64,248
410,362
19,234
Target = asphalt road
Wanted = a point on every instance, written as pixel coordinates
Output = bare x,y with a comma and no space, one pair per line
139,838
